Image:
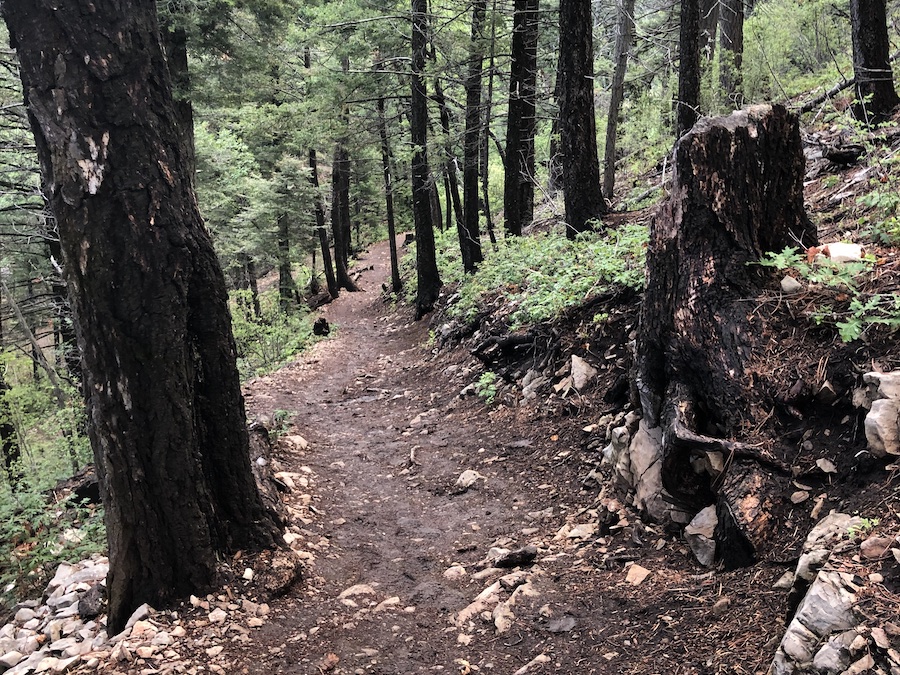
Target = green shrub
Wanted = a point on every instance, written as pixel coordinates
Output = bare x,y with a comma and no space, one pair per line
268,341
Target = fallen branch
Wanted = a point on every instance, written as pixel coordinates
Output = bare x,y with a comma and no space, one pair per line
836,89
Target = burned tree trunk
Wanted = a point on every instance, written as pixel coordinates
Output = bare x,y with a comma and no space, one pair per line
737,193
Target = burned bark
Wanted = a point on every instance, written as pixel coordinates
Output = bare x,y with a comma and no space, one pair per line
876,97
737,193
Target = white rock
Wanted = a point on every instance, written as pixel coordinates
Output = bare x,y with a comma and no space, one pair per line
882,427
885,385
700,535
139,614
24,615
468,478
637,574
10,659
582,373
455,572
218,615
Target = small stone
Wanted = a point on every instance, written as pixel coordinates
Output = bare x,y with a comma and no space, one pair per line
455,572
519,557
10,659
721,606
468,478
582,373
582,531
178,632
874,547
24,614
881,639
785,581
876,578
214,651
789,285
249,607
799,496
143,629
637,574
145,652
255,622
139,614
218,615
248,574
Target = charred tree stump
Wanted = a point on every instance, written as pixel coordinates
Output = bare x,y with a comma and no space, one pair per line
737,193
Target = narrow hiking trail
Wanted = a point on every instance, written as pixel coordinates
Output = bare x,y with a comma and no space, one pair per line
398,577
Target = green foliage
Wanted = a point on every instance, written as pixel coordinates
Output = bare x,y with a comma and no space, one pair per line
268,341
792,47
36,536
883,201
843,282
544,274
486,386
865,526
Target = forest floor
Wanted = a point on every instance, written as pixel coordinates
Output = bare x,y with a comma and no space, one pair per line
379,518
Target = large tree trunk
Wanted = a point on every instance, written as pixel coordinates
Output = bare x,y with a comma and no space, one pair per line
578,130
427,276
167,420
485,157
624,35
737,193
287,292
875,94
389,197
518,186
687,107
731,34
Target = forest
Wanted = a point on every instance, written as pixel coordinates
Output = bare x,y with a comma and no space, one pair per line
304,305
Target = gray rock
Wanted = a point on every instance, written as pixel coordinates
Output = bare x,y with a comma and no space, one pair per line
885,385
24,615
10,659
582,373
700,535
645,455
883,427
517,558
90,604
789,285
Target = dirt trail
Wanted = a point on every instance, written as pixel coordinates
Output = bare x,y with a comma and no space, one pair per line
382,520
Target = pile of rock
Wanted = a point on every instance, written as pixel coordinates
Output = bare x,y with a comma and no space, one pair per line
880,395
828,633
66,632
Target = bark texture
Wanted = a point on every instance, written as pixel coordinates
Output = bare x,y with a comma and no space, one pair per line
624,36
327,265
737,193
875,92
166,416
396,283
731,34
470,237
428,279
687,107
577,126
518,186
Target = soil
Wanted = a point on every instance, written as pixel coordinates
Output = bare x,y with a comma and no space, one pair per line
378,517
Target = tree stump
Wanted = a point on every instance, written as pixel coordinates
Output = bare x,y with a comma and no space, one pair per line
737,193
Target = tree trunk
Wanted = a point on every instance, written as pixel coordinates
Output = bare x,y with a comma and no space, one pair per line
484,160
330,279
175,41
578,131
427,276
9,439
737,193
687,107
340,217
396,285
731,34
554,161
454,202
709,20
876,97
624,35
167,420
68,340
286,290
518,185
470,236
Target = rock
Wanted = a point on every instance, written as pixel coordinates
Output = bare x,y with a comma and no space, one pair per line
875,548
721,606
90,604
485,600
637,574
582,373
518,558
139,614
882,427
644,457
582,531
10,659
468,478
884,385
799,496
562,624
218,615
790,286
24,614
358,589
538,660
785,581
700,535
826,465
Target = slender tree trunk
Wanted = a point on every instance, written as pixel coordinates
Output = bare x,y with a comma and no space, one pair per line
9,439
286,289
340,214
68,340
518,185
876,97
731,33
471,237
554,161
450,174
624,35
486,131
687,107
709,21
427,276
252,284
167,420
578,131
389,197
330,279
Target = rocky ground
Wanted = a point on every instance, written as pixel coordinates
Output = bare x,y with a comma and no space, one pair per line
441,534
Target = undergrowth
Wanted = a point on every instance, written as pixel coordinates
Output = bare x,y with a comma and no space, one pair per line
267,341
846,306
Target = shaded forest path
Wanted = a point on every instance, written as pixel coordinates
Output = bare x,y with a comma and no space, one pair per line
378,515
